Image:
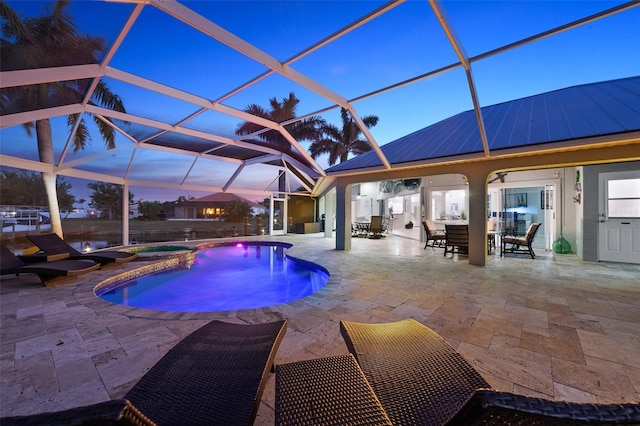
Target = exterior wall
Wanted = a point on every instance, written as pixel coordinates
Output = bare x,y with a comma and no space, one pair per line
590,197
477,170
579,218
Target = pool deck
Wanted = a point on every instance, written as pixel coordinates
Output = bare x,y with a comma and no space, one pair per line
554,327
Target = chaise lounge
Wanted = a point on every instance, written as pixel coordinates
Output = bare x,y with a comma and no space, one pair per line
420,379
53,244
48,272
215,375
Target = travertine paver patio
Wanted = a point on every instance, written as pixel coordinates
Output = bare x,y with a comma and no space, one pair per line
554,327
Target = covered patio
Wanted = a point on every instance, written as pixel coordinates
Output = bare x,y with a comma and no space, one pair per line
557,328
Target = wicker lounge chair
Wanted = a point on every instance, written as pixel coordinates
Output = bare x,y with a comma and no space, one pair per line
214,376
48,272
52,244
422,380
118,412
492,408
417,376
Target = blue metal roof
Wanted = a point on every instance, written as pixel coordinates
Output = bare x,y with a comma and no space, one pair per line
588,110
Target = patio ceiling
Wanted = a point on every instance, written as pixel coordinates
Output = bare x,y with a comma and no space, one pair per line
187,71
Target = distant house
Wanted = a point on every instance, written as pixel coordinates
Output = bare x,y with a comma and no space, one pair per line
211,206
134,211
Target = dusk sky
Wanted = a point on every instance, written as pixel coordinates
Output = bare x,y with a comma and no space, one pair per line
399,45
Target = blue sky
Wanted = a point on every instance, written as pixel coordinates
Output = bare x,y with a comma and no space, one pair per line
404,42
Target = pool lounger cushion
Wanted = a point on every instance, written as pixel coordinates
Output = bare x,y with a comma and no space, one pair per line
48,272
215,375
52,244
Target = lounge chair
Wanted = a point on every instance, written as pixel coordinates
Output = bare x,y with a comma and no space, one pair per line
214,376
422,380
520,244
417,376
492,408
456,237
52,244
48,272
118,412
437,237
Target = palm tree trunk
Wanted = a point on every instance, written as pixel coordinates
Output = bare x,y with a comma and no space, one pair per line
45,150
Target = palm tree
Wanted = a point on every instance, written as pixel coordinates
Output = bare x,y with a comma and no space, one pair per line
306,129
52,40
338,143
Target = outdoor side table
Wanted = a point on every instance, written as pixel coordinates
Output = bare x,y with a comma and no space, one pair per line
331,390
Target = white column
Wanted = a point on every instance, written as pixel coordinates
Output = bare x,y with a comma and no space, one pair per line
125,214
343,216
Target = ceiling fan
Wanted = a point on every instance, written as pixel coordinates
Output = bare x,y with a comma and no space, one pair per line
499,176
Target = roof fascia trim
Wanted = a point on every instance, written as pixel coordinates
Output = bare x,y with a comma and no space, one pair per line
629,138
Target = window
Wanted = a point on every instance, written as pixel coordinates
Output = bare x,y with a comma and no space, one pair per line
623,198
397,204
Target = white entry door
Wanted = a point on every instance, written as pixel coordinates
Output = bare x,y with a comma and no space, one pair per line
619,217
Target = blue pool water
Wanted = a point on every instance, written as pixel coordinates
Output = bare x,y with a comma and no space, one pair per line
223,279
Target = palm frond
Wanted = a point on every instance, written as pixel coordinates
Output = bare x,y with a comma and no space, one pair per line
106,98
107,132
81,136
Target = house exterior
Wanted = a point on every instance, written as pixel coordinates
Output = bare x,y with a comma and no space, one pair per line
211,206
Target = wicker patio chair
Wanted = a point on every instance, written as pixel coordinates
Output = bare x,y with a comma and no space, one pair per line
418,377
48,272
52,244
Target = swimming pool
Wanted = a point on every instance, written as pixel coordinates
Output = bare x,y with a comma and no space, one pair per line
223,278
